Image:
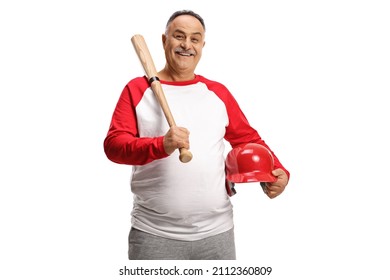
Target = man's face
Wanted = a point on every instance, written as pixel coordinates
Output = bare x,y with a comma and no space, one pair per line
183,44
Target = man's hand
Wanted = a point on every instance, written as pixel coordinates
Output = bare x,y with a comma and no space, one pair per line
274,189
176,137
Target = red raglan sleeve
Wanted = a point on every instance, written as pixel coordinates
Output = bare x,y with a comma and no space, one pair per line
123,144
239,131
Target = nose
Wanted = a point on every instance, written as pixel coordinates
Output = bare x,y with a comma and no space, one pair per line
185,44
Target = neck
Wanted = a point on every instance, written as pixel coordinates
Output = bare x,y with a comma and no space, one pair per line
167,74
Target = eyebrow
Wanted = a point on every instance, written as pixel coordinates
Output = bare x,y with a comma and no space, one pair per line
181,31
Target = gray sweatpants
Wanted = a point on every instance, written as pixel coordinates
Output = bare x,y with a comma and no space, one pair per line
145,246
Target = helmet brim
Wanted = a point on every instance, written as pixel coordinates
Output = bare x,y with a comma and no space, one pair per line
252,177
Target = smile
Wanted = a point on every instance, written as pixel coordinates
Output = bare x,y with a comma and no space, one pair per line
185,53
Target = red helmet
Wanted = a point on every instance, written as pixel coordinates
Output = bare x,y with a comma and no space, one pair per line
249,163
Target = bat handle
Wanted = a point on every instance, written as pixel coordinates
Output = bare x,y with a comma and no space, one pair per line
185,155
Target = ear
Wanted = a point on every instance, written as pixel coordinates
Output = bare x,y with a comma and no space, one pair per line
164,38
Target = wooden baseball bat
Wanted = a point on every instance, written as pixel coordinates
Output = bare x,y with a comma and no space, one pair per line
147,63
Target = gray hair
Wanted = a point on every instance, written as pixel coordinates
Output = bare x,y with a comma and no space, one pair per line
185,12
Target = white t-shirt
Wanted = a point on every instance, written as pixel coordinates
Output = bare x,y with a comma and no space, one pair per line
183,201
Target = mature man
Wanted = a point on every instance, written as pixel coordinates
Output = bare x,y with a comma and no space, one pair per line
181,210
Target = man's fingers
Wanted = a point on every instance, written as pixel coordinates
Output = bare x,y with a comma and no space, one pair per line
183,144
175,138
181,137
272,190
183,130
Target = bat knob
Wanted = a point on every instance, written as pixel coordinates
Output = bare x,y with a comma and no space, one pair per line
185,155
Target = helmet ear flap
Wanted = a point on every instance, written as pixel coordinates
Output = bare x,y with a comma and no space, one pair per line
249,163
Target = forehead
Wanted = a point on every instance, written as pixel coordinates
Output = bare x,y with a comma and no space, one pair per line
187,24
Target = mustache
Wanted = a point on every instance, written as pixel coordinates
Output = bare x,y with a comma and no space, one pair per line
181,50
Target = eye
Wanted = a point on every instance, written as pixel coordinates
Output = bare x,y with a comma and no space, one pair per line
194,40
179,37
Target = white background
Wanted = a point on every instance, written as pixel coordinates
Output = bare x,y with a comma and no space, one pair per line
311,76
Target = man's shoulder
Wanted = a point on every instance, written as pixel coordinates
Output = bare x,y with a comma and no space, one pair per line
138,85
212,84
138,81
